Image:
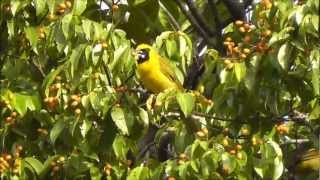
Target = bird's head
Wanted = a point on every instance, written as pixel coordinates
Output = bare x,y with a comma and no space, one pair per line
143,53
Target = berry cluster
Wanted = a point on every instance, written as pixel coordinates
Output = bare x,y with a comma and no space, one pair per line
11,163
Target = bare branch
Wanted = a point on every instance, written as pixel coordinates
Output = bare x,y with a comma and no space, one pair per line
201,21
173,21
192,20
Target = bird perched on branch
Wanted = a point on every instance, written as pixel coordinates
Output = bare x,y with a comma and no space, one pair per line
155,71
308,162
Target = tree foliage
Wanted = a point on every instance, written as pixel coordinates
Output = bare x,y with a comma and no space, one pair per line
72,105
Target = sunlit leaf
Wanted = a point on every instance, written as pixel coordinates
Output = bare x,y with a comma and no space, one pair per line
118,118
40,6
57,130
35,164
79,6
186,102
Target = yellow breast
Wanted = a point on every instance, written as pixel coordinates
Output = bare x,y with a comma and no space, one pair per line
153,79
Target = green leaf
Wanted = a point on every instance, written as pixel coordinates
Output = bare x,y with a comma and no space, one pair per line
118,118
11,25
95,172
120,147
87,28
198,149
228,162
240,70
315,22
95,101
34,102
137,2
40,6
66,21
57,130
75,57
35,164
284,56
144,117
79,6
85,127
20,103
141,173
15,6
315,72
186,102
32,36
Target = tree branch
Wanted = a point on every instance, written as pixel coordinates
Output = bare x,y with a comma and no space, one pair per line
192,20
201,21
173,21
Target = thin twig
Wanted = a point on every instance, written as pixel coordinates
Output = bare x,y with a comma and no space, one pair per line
201,21
192,20
172,20
195,116
218,24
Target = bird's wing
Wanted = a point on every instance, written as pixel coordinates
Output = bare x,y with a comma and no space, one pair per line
167,69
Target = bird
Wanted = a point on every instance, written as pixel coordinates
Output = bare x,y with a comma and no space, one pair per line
156,72
308,162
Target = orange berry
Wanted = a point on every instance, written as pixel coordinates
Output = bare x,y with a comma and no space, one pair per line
232,151
239,23
205,131
244,131
8,157
115,7
42,36
108,172
58,78
200,134
62,6
247,26
62,158
14,114
238,147
236,49
242,29
226,43
246,51
74,104
268,5
61,11
19,148
225,142
254,141
51,17
171,178
9,119
228,39
104,45
129,162
77,111
247,39
68,4
225,130
182,156
266,33
239,155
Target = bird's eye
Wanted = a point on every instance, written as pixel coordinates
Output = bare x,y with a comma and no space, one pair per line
143,55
